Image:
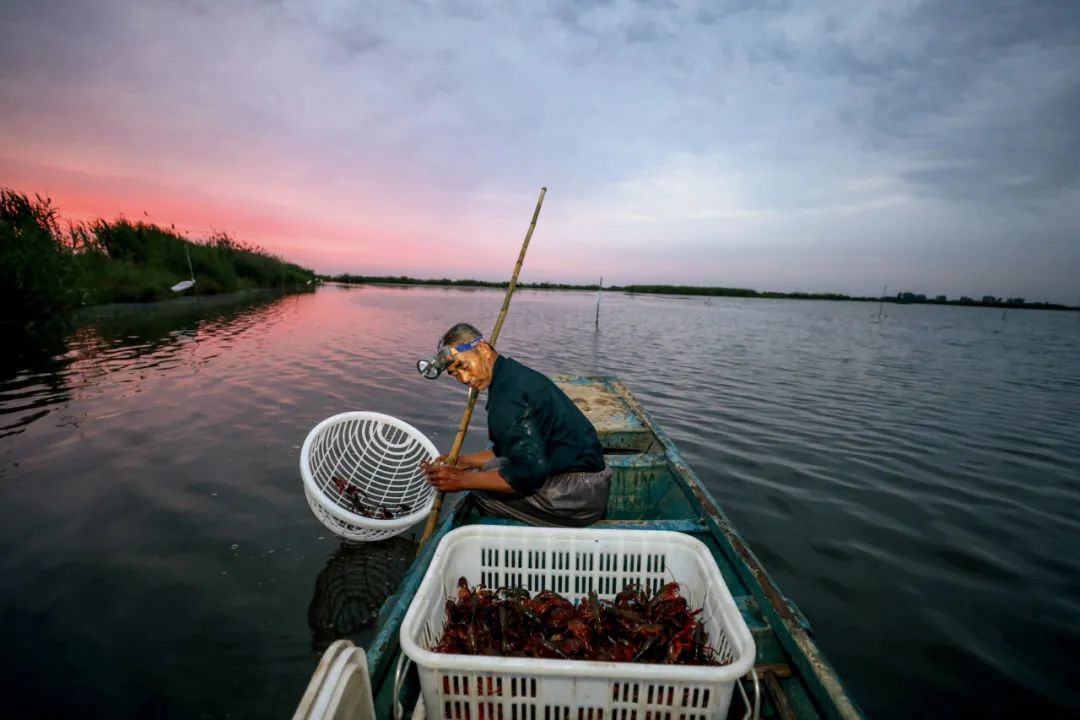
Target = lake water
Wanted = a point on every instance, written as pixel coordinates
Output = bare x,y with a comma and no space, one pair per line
913,484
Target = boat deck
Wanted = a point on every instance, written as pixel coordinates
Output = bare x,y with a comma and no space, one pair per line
619,427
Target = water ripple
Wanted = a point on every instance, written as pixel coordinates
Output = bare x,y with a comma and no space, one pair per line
910,483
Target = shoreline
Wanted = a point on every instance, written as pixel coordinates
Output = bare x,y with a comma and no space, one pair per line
184,303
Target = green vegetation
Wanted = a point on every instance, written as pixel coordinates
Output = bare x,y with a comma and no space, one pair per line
48,266
902,298
730,292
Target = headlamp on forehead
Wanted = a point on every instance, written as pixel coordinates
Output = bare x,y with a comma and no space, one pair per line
432,367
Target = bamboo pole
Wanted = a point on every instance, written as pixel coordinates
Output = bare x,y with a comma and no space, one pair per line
463,426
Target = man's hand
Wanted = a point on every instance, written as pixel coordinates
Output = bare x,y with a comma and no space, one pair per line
445,460
476,460
444,478
472,461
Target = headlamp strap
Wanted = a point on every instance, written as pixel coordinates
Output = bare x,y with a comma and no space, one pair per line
464,347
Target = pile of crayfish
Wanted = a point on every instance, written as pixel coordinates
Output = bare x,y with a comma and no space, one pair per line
366,508
632,627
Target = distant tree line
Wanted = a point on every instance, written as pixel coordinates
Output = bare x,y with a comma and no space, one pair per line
48,266
696,290
731,292
901,297
985,301
403,280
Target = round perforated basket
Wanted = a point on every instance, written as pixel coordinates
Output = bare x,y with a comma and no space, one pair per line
370,457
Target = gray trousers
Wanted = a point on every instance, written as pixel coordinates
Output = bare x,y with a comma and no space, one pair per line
572,499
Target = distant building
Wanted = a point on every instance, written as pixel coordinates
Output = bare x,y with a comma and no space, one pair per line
990,300
1015,301
941,299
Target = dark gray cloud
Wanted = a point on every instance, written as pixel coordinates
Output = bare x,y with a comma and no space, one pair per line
842,123
981,95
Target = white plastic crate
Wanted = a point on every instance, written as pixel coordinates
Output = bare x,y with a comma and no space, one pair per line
572,562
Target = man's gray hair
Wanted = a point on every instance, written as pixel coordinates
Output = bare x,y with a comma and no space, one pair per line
460,333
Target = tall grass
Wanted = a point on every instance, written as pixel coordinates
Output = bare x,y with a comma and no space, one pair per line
48,266
36,272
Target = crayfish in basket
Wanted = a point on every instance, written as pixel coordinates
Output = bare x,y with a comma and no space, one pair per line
631,627
372,510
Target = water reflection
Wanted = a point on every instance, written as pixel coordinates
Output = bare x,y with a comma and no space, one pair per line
349,591
31,377
43,370
927,462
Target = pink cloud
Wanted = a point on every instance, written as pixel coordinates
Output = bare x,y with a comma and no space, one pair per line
303,237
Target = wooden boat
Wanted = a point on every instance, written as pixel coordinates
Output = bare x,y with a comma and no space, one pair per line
652,489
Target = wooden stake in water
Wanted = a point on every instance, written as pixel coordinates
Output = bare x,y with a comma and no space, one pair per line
463,426
598,291
881,305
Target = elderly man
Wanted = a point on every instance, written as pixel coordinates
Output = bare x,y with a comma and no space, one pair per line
545,465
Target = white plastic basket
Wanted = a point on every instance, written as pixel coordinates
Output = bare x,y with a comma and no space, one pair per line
379,455
572,562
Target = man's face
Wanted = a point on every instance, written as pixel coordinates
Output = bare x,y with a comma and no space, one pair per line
473,367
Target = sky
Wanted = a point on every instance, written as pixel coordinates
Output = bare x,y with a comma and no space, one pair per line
841,146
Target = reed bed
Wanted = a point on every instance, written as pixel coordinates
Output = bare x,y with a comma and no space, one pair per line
49,266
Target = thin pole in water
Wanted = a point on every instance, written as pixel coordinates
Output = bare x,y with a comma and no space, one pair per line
599,290
881,305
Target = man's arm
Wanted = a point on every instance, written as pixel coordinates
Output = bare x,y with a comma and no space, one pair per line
490,480
476,459
448,479
472,460
525,462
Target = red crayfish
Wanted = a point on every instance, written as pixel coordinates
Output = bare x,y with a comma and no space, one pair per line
373,510
632,627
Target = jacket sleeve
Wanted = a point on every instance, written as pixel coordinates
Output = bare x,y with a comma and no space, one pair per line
525,465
